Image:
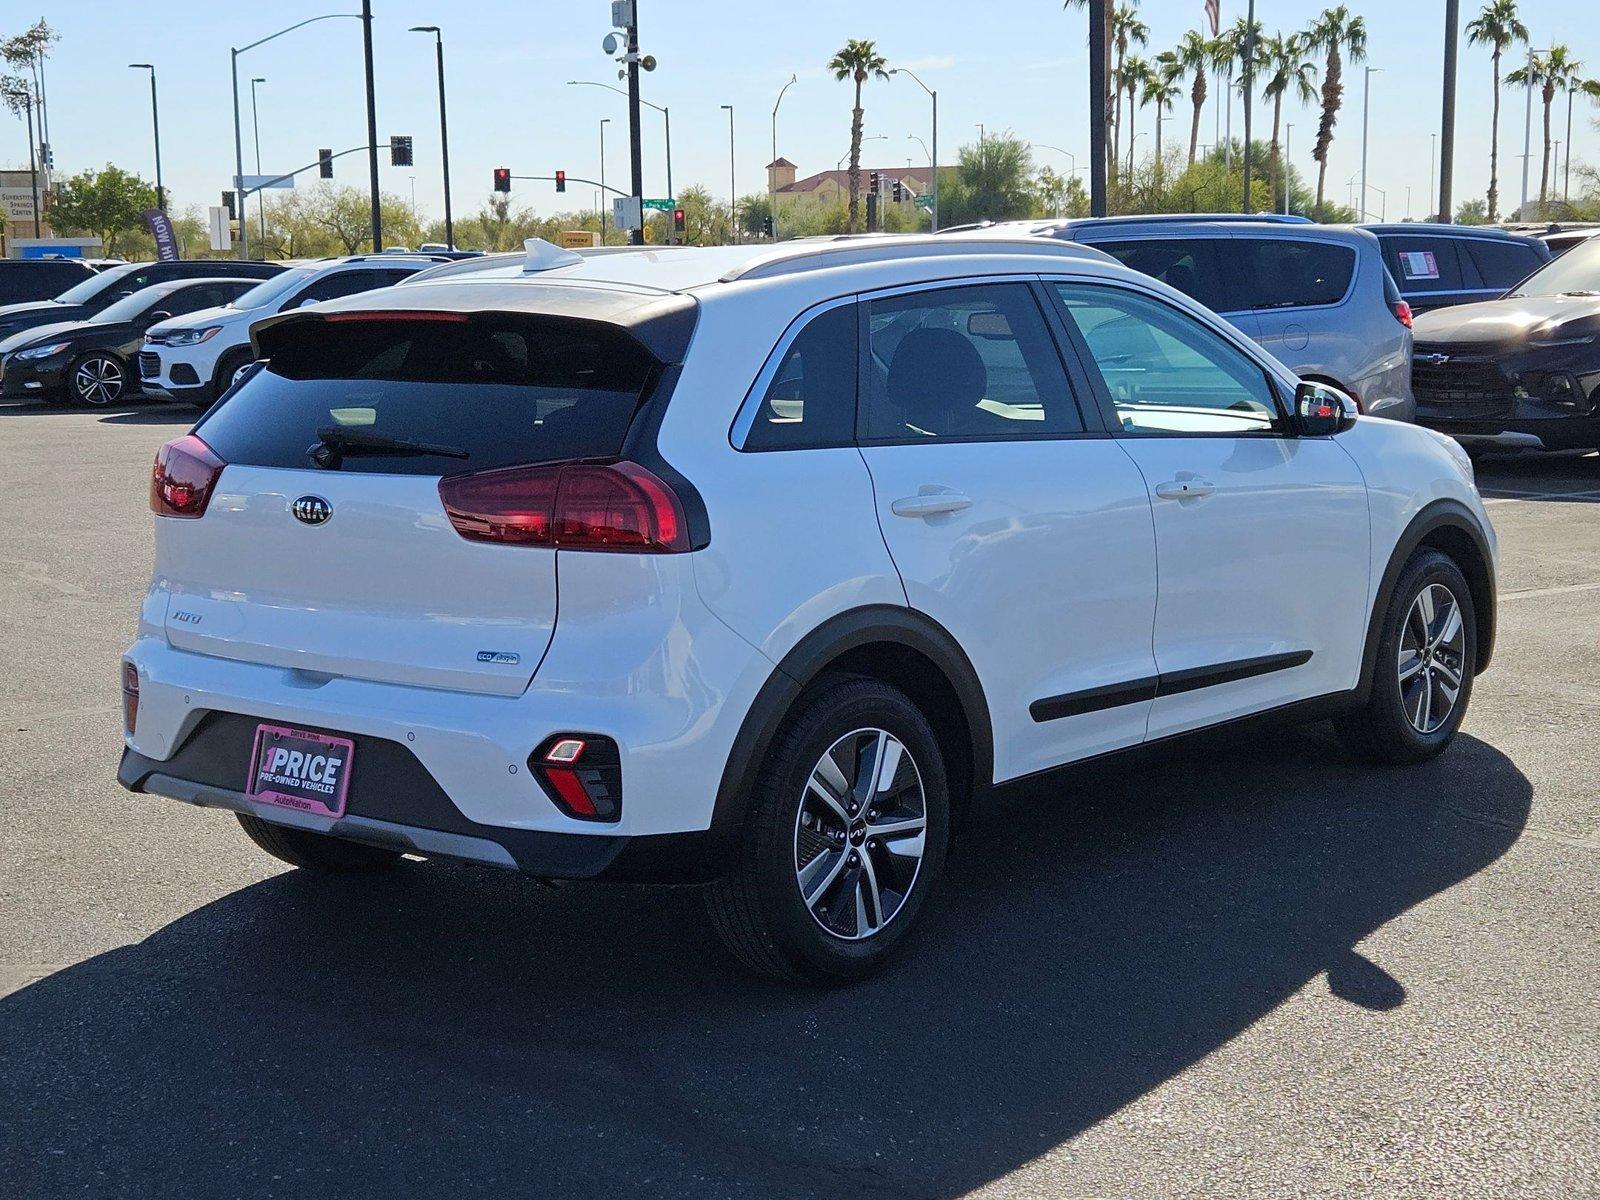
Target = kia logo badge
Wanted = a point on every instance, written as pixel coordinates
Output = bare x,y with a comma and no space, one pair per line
312,510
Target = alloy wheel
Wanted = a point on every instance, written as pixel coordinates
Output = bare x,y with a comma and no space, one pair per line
98,380
860,834
1432,658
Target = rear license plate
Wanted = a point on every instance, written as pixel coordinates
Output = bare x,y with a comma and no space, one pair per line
299,769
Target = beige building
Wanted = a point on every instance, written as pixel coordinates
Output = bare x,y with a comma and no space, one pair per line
833,187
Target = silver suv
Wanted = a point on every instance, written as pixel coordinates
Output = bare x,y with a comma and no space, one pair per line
1317,297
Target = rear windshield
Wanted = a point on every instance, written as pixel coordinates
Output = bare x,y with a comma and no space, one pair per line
1575,273
468,395
1425,264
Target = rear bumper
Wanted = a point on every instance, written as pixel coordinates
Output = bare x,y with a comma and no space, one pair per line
422,821
1517,431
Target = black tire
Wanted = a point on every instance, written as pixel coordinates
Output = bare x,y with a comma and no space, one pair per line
1384,729
315,851
222,378
117,384
758,909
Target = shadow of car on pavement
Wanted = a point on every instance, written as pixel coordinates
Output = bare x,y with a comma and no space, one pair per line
453,1029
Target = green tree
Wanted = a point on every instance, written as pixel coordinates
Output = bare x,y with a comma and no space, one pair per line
858,62
1127,31
108,204
1284,67
1550,72
1472,212
1161,89
1499,27
1196,53
1335,34
994,182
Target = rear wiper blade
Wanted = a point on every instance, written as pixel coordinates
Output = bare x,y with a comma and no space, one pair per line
335,443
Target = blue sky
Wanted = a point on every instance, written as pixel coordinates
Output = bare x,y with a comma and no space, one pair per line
1009,64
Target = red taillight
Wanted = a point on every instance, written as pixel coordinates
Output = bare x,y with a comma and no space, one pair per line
582,775
1402,313
130,697
400,314
185,473
578,506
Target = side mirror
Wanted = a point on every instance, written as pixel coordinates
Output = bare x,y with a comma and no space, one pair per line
158,315
307,302
1321,411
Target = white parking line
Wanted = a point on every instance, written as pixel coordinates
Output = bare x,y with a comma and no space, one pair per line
1562,590
1505,496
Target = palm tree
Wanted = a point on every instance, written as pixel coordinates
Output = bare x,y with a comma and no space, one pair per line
1335,33
1127,30
1195,53
1135,76
858,61
1285,67
1161,89
1550,72
1498,27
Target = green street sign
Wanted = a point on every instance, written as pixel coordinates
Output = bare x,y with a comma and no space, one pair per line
666,205
923,201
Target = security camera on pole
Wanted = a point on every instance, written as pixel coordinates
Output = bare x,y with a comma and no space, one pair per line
625,50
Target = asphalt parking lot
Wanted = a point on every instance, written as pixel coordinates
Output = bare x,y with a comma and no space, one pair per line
1256,971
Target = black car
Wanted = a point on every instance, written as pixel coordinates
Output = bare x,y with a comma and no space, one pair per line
33,279
1436,266
88,297
1519,372
92,361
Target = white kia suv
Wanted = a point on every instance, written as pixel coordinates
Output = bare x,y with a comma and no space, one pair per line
759,568
194,358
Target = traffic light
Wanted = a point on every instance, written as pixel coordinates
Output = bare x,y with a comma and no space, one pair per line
766,225
872,183
502,179
325,163
898,192
227,203
677,220
400,151
561,181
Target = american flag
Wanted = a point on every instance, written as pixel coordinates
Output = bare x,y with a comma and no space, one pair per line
1214,11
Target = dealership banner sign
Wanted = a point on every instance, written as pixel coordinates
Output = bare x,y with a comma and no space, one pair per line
166,237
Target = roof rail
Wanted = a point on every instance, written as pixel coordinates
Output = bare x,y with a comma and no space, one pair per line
811,256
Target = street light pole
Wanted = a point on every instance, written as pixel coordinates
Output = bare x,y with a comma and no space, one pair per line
372,127
1566,177
1099,107
1288,130
1249,87
444,132
666,118
238,136
772,192
1527,129
255,126
1366,104
1447,120
155,121
604,121
635,146
934,97
1433,153
733,183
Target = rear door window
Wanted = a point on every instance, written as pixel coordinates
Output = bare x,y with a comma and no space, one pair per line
1192,265
1425,264
1293,272
810,402
466,394
1502,264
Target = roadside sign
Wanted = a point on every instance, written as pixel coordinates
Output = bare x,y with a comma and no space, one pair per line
255,183
579,239
923,201
221,238
666,205
626,213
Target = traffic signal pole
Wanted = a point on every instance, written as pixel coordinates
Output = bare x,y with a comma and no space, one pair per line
635,150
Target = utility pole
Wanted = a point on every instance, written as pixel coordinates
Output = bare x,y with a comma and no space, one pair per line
33,166
1527,130
1433,158
255,126
1447,119
444,131
1098,108
1249,88
604,121
772,192
733,183
372,127
1288,130
1366,105
635,148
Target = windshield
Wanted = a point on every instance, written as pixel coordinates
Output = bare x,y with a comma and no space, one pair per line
273,289
129,307
90,288
1575,272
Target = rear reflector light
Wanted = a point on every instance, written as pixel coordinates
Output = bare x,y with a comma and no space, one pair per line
579,506
130,697
582,776
183,478
1402,313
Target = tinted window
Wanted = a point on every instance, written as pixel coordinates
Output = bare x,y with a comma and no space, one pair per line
1576,271
109,282
971,362
811,401
1291,273
340,283
1501,264
502,389
1424,264
1165,372
39,281
1193,266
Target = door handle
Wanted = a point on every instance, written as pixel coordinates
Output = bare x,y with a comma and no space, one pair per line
930,504
1184,489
